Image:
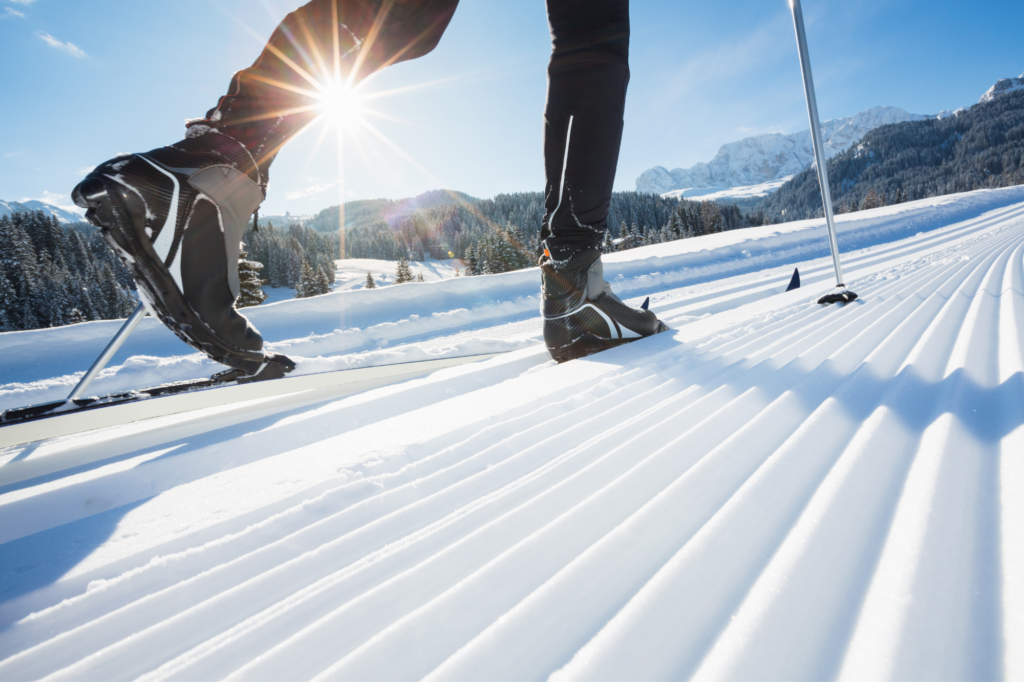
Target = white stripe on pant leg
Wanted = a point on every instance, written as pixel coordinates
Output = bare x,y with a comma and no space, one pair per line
565,164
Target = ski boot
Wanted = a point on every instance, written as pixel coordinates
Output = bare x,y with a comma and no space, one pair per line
581,314
175,216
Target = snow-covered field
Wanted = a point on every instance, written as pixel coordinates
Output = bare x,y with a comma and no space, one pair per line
772,490
350,273
718,193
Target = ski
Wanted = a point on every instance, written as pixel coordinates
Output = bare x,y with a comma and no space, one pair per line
62,418
63,407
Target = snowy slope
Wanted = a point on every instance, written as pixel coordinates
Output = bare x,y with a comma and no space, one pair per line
764,158
455,316
350,273
773,490
715,193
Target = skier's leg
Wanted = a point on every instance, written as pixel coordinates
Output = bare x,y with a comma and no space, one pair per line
176,214
317,45
587,79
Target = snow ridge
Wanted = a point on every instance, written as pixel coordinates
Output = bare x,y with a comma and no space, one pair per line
765,158
1003,86
61,214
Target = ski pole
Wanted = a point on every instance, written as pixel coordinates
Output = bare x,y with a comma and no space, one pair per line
115,343
819,153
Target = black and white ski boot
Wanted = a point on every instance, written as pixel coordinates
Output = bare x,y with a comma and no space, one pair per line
581,314
175,216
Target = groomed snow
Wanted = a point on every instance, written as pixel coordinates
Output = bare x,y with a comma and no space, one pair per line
774,489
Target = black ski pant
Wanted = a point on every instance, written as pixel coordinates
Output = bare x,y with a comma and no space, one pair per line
272,100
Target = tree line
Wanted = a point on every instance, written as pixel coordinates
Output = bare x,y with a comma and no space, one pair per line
291,256
503,233
53,274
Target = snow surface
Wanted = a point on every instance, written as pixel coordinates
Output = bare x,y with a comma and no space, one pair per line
350,273
764,158
716,193
774,489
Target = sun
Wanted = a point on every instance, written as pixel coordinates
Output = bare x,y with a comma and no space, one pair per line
340,104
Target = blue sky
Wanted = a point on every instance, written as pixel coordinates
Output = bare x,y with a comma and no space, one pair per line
83,81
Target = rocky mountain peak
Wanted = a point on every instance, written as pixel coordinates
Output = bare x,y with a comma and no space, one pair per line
1003,86
764,158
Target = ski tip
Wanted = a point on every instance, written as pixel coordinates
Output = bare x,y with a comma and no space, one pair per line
794,283
647,302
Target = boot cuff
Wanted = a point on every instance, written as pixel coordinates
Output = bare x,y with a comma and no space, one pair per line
566,260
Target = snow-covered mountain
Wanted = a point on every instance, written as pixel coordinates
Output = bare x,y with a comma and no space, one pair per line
764,158
1003,86
63,215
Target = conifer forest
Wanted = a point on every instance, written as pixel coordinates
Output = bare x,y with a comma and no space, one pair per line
53,274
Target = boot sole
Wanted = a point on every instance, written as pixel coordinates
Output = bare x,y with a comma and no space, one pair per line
588,344
107,208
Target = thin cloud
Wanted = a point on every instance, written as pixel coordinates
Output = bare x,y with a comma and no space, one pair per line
733,60
55,199
11,12
23,2
310,191
68,47
751,131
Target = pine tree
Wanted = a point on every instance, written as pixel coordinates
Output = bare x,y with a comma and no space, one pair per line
419,276
296,260
403,273
323,282
711,217
306,286
110,293
370,284
872,200
8,297
650,236
28,315
249,283
631,238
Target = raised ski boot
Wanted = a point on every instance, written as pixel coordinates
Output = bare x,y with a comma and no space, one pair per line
175,216
581,314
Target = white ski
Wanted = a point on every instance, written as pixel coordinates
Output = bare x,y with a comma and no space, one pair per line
345,382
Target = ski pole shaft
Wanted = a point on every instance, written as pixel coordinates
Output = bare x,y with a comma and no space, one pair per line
819,149
115,343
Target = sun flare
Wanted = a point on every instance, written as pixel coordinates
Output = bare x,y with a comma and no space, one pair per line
331,86
340,104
